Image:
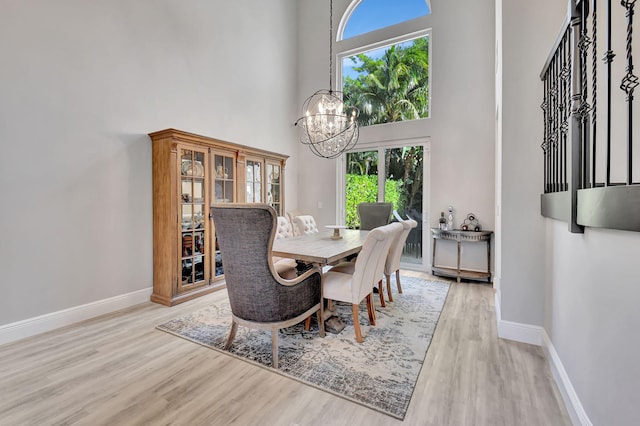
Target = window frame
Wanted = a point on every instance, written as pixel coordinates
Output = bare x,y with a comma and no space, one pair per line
381,146
342,54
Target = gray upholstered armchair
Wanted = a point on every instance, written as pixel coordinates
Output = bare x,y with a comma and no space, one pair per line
372,215
259,297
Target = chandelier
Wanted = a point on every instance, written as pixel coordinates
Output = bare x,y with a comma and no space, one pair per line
327,125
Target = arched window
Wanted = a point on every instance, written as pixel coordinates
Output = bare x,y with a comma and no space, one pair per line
386,79
364,16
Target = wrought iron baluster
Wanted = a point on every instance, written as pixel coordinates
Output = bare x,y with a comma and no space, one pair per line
594,87
628,84
545,138
583,44
608,59
554,121
565,75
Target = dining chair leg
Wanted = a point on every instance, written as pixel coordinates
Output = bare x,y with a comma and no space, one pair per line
381,293
398,281
232,334
371,310
274,347
356,323
319,316
389,295
307,323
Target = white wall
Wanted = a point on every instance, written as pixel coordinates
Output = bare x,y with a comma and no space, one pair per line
529,30
582,288
593,317
81,86
461,127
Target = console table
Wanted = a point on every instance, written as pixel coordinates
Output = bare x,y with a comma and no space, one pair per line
461,236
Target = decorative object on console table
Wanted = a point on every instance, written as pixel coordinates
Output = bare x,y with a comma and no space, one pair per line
442,222
470,223
461,236
450,223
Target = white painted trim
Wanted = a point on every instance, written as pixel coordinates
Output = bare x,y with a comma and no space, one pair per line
569,395
525,333
497,303
47,322
345,18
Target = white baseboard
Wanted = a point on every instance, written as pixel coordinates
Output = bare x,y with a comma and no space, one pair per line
536,335
524,333
569,395
32,326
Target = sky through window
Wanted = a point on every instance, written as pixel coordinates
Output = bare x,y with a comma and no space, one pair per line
372,15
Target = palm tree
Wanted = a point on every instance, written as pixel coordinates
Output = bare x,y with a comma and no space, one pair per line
392,88
362,163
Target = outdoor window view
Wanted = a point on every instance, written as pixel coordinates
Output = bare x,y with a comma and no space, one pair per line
389,84
388,81
402,180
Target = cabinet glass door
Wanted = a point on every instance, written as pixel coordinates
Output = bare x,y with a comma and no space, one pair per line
254,181
274,187
224,192
224,179
193,260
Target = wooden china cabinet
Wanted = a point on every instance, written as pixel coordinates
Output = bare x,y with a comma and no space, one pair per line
190,173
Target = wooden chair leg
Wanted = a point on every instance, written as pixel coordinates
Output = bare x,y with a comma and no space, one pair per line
356,323
232,334
389,295
381,293
319,316
398,281
307,323
274,347
371,310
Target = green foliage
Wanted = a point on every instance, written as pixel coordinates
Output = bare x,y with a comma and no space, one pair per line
392,192
360,189
392,88
364,189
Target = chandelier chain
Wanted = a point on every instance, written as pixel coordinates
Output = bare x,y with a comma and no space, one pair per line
327,125
331,46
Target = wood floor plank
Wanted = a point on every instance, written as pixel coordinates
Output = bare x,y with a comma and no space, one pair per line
118,369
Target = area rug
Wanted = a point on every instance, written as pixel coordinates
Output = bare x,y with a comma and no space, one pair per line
380,373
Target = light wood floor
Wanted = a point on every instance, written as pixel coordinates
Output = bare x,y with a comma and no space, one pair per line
119,370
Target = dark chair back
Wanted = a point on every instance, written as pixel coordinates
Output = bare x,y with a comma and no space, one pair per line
372,215
245,234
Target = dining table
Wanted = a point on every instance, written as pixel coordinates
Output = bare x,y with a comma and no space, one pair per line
321,249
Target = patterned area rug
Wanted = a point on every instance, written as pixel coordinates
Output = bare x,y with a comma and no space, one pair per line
380,373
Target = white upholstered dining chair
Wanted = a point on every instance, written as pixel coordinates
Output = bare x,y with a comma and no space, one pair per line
285,267
395,230
291,215
305,224
367,270
392,263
